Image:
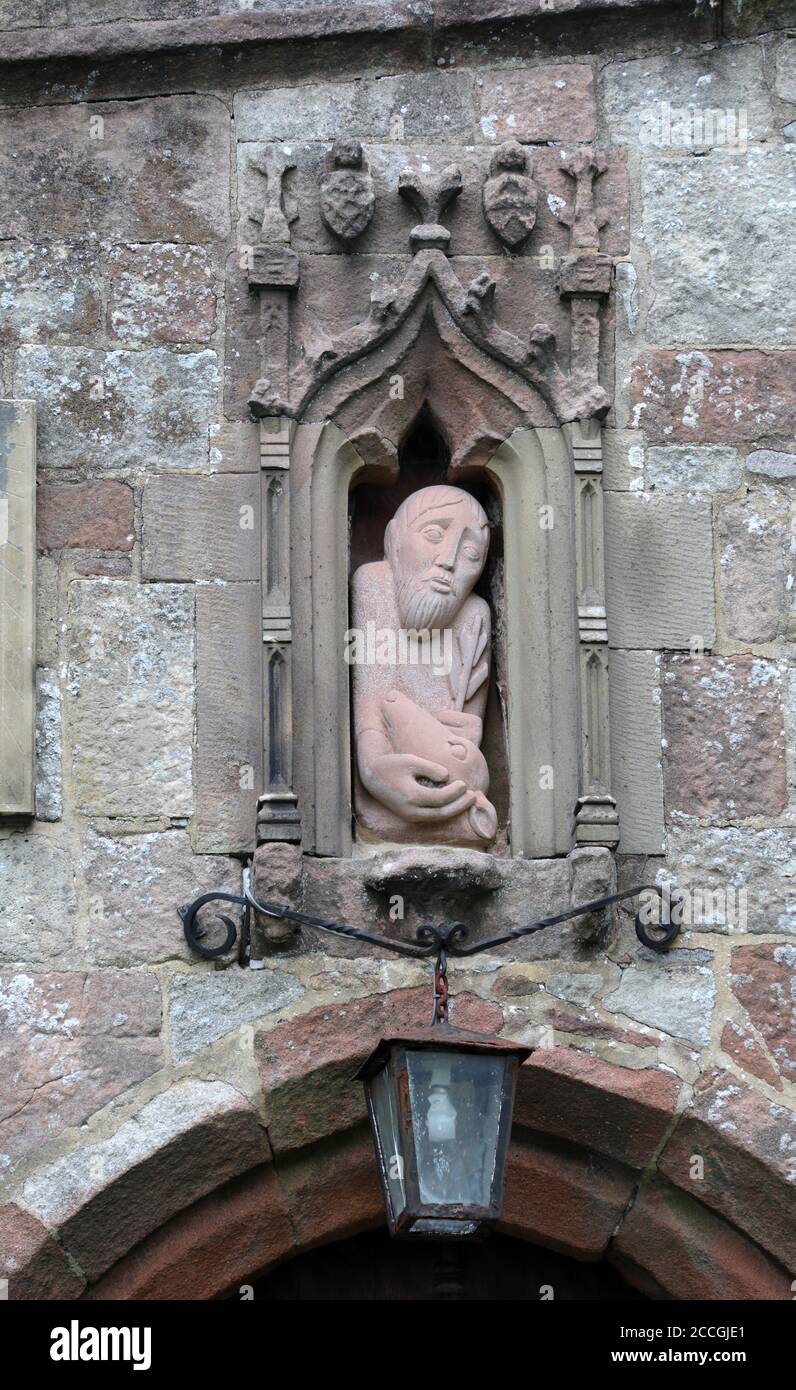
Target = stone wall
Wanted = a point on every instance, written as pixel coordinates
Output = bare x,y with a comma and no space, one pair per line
123,201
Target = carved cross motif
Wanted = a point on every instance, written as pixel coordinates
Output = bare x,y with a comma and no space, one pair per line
429,197
584,222
278,212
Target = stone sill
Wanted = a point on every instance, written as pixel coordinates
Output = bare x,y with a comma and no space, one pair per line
120,37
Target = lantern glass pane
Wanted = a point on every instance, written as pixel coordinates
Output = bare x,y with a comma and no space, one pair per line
455,1100
388,1134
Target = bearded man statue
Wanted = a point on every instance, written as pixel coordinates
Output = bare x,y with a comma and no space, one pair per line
421,676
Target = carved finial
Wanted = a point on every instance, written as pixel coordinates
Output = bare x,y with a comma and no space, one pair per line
510,195
278,211
429,197
347,197
480,297
584,166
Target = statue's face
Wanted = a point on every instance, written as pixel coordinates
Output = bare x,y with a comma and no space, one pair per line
437,559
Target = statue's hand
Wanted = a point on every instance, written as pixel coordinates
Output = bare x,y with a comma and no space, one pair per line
394,780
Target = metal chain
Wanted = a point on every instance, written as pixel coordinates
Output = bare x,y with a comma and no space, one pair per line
440,990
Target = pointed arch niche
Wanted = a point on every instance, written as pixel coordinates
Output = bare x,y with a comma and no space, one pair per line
345,465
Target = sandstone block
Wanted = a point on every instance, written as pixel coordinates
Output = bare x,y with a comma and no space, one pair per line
161,293
753,868
34,1265
754,536
677,1001
659,571
49,777
553,101
38,904
714,397
92,516
762,979
704,468
563,1201
678,101
49,293
427,105
207,1005
201,528
636,775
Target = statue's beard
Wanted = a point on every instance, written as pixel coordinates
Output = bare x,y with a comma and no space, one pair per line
423,608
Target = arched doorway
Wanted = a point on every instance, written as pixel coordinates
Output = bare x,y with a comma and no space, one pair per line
372,1267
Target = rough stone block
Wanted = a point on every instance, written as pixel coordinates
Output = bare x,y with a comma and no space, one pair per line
49,293
705,468
623,461
229,757
121,409
152,170
677,1001
659,571
49,776
207,1005
740,1044
429,106
771,464
129,706
721,294
93,516
135,885
676,101
32,1262
714,397
722,721
234,447
748,1145
201,528
785,81
621,1113
636,774
550,102
103,1198
563,1201
757,863
46,611
754,536
38,904
762,979
692,1254
162,293
69,1043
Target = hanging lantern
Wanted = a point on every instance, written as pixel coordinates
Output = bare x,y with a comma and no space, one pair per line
440,1103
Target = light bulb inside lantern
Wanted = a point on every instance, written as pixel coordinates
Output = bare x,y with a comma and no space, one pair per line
441,1117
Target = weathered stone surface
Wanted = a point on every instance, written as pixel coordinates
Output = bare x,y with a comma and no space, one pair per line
333,1192
69,1043
135,885
161,293
785,80
715,397
675,1001
705,468
210,1250
46,610
722,722
659,571
748,1144
636,775
764,980
49,777
577,988
623,461
129,707
429,105
120,409
38,904
744,1049
757,862
49,293
753,537
95,516
229,755
307,1066
17,606
618,1112
234,447
201,528
771,463
207,1005
563,1201
153,170
720,293
673,100
34,1265
105,1197
691,1253
550,102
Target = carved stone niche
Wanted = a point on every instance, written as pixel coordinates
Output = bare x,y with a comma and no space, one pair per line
513,447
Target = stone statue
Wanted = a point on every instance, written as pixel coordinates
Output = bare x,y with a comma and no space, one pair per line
420,649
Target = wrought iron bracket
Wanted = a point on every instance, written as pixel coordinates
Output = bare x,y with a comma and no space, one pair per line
430,939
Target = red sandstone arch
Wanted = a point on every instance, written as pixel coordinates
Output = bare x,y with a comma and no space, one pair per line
599,1167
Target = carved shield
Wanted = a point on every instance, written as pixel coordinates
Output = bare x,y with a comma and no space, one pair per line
347,202
510,206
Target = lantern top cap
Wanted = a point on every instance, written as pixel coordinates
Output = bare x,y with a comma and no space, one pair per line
441,1036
